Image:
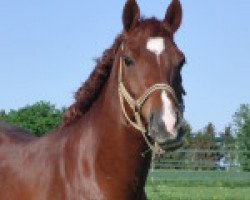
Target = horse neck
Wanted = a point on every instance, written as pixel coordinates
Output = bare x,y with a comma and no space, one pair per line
113,119
108,146
121,146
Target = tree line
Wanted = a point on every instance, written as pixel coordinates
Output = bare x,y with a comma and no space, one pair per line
231,146
38,119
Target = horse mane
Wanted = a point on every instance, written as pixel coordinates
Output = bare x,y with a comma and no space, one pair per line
92,87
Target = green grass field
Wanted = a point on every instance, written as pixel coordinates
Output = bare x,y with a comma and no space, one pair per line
162,191
184,185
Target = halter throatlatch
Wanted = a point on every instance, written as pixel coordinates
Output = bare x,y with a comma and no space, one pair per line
136,105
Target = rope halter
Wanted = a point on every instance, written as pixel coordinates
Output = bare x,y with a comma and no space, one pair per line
136,105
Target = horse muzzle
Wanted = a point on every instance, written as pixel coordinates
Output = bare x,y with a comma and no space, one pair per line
160,134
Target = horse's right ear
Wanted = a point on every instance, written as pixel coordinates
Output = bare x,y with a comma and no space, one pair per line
173,15
131,15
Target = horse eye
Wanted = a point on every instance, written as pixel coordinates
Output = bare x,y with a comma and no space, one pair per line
128,61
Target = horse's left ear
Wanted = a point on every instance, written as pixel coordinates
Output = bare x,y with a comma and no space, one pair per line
131,15
173,15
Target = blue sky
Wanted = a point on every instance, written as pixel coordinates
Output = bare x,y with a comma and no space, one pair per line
47,49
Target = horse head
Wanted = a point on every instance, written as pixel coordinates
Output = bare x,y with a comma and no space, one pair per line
149,77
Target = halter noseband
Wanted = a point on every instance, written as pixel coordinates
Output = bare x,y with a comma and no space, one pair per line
136,105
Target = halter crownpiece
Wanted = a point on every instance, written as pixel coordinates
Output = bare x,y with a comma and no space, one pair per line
136,105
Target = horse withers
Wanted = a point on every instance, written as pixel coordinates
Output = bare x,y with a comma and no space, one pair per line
128,108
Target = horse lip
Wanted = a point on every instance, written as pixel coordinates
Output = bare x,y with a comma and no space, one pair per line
165,142
161,140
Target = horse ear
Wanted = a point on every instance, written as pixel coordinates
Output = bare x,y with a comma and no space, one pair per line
131,15
173,15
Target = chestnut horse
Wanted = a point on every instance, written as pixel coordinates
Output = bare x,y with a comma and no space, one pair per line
132,100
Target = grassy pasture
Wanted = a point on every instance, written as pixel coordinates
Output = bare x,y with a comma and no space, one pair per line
185,185
161,191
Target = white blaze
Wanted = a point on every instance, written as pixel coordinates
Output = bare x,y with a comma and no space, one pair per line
169,115
156,45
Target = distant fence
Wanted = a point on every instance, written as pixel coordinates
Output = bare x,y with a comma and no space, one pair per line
192,165
195,159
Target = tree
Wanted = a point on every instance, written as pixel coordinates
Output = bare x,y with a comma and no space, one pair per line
242,124
228,141
2,114
187,138
209,137
39,118
205,146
